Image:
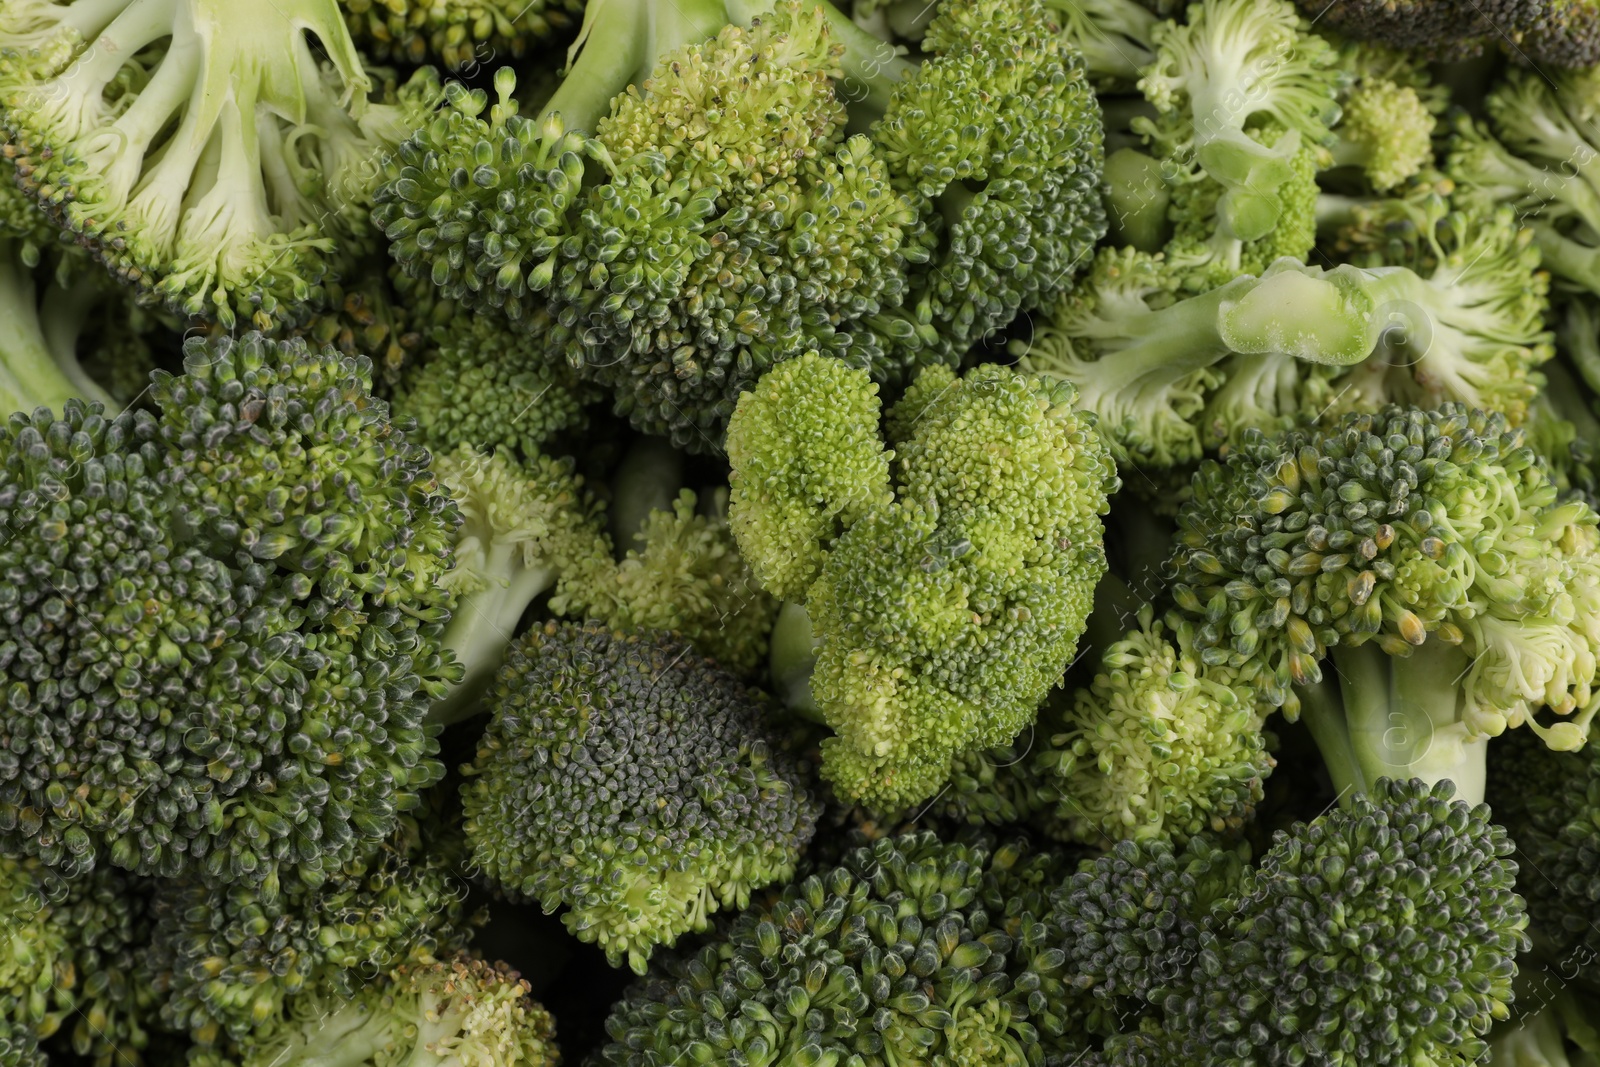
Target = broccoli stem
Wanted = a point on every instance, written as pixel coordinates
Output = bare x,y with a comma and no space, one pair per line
1566,258
64,313
30,376
1402,718
793,656
647,481
484,624
618,47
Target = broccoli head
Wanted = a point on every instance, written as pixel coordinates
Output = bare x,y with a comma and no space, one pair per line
1387,118
941,616
68,972
457,1010
911,950
227,959
1159,745
1436,29
683,245
633,782
221,660
1428,552
200,147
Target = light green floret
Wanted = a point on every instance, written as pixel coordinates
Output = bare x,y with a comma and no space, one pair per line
807,463
200,147
944,617
458,33
1386,131
1158,746
457,1012
1145,362
1232,66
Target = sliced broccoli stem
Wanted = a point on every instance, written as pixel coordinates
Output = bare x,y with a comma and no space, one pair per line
1403,716
792,659
30,376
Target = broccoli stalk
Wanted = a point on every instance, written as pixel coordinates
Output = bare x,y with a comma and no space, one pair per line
38,340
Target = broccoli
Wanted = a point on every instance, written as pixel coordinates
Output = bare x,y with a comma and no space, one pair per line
68,974
1384,933
1561,33
1554,1032
1233,67
634,783
225,626
228,958
1116,37
682,246
1144,360
452,1012
1425,551
459,33
1550,804
1541,161
1158,746
1388,112
952,602
910,950
200,147
39,365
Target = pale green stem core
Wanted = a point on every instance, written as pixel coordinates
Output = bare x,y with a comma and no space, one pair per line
30,377
1400,720
482,628
647,481
793,656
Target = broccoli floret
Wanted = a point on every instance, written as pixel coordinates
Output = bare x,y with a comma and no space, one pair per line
1550,803
942,616
634,783
484,384
1158,746
458,33
228,959
68,972
687,244
1388,112
455,1011
221,664
201,148
1433,29
1116,37
1427,551
1145,361
912,950
1542,164
1403,908
1237,65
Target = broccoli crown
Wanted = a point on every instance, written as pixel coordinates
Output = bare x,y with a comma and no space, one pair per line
633,782
945,616
206,156
456,1010
722,238
458,33
910,950
807,462
68,973
1386,129
1390,526
1159,745
1129,920
486,385
222,684
1568,35
1549,801
1384,933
